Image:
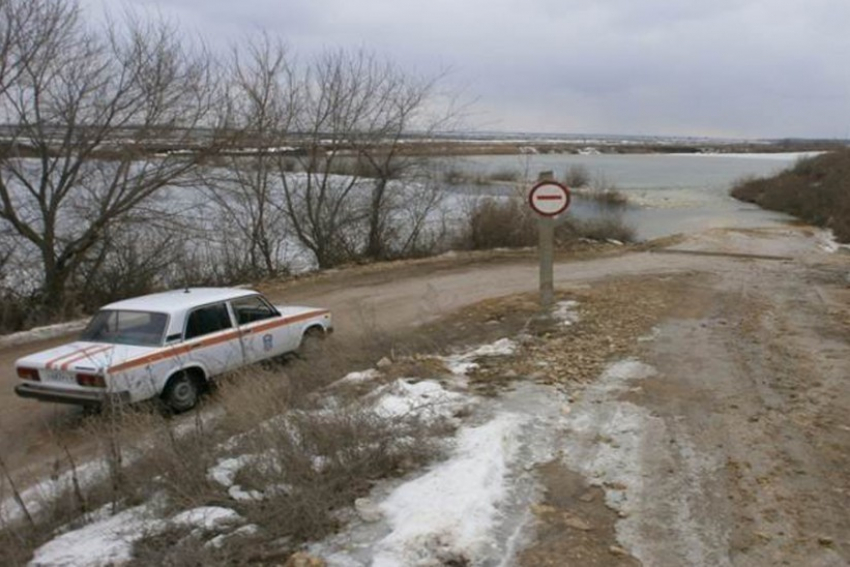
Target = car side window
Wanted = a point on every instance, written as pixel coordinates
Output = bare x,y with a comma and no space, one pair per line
206,320
252,308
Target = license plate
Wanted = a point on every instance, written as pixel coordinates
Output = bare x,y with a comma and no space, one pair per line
49,375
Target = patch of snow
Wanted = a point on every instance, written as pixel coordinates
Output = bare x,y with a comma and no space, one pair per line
102,543
207,518
367,510
37,495
224,471
109,540
240,495
461,364
486,486
502,347
566,312
826,241
220,540
360,377
42,333
624,370
427,400
449,513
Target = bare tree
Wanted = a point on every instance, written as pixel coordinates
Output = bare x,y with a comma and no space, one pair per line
244,183
352,114
401,104
87,110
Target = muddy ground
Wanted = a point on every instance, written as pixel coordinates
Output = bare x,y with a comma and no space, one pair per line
741,450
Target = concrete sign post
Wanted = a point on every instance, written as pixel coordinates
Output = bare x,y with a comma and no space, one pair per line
548,199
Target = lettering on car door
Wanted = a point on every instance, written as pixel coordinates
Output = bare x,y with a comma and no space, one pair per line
263,333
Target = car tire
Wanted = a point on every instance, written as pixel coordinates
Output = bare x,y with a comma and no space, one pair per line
181,393
311,342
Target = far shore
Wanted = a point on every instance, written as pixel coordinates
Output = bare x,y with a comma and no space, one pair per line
454,146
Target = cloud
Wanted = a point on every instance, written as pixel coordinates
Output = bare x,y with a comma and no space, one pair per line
752,68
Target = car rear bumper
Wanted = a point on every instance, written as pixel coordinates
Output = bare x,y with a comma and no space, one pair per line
77,397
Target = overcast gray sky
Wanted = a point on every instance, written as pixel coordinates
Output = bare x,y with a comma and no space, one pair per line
729,68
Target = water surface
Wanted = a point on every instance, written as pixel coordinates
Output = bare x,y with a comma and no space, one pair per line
669,193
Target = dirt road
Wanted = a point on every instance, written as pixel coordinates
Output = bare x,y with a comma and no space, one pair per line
746,453
726,440
740,450
385,298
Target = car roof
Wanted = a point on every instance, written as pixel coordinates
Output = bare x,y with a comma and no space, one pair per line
179,300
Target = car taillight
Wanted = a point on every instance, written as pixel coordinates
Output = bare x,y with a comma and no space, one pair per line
94,380
25,373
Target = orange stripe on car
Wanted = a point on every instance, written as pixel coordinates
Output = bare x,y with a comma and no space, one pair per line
84,355
171,352
83,351
274,324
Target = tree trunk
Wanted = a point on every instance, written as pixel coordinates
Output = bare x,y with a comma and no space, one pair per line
376,249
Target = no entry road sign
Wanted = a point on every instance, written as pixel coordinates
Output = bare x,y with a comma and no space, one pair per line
549,198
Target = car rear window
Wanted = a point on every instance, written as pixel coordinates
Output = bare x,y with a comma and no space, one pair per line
141,328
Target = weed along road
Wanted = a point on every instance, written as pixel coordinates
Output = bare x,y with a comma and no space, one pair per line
739,450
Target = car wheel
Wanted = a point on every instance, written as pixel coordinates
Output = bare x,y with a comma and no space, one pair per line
182,393
311,342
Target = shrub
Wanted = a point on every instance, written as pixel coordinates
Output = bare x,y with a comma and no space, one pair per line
816,190
577,176
499,223
505,174
324,460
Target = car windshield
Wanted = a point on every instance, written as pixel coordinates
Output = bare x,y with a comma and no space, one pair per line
126,327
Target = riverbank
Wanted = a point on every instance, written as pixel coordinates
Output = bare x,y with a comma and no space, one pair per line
814,190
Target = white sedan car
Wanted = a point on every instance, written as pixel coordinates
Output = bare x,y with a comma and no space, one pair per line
166,345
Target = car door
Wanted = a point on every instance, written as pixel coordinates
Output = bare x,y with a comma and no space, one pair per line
264,332
212,339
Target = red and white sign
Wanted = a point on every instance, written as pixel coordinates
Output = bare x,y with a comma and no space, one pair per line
549,198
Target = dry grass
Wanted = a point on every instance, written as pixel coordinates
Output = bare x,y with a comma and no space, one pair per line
324,458
506,175
499,223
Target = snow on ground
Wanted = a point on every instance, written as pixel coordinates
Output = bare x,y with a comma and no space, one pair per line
106,542
472,508
109,540
34,497
206,518
85,475
826,241
426,400
360,377
450,512
224,473
566,312
42,333
463,363
473,505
